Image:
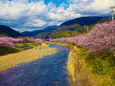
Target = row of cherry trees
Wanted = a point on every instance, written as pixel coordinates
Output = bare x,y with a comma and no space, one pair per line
9,41
100,38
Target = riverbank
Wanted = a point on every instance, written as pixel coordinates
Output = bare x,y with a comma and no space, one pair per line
47,71
25,56
89,69
78,72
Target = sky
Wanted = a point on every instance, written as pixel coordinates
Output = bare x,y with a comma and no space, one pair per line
28,15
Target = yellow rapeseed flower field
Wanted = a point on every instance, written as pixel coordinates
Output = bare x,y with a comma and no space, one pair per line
25,56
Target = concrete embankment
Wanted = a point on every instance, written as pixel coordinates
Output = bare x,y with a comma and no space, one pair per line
78,72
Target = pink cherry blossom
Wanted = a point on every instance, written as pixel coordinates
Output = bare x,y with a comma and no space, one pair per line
100,38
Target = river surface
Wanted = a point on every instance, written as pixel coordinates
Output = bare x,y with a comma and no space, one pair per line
47,71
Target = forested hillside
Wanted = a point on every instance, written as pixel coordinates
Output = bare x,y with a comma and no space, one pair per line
69,28
7,31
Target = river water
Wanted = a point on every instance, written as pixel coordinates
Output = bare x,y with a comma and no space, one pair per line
47,71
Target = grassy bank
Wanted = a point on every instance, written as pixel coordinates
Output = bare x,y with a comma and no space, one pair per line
103,67
18,47
78,71
6,50
25,56
90,69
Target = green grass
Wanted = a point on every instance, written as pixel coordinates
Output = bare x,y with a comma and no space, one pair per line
65,34
100,65
18,47
6,50
103,65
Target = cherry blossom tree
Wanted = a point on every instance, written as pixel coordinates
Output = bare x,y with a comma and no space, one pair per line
100,38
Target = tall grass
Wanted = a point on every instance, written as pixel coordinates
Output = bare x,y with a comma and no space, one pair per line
90,69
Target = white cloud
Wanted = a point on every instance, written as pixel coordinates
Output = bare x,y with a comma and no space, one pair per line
101,5
11,10
35,23
16,9
38,14
61,14
91,6
38,8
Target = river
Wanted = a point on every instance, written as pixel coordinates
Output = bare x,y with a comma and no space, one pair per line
47,71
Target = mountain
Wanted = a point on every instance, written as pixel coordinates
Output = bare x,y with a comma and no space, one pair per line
57,32
7,31
64,31
36,32
67,29
51,27
83,21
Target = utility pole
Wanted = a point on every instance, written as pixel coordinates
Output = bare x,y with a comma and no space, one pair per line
87,28
112,12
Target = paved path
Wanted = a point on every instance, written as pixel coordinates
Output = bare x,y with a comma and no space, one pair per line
48,71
